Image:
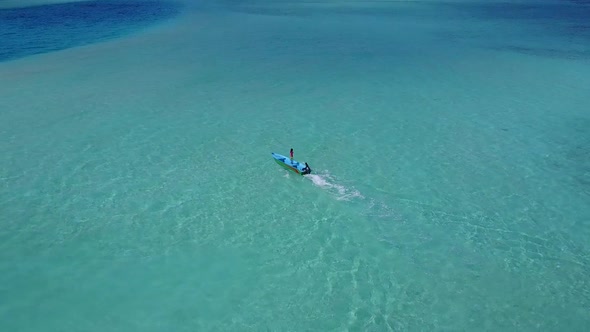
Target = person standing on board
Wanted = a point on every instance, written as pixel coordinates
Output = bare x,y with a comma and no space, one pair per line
291,152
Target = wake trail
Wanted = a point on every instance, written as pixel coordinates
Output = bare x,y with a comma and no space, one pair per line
327,182
372,207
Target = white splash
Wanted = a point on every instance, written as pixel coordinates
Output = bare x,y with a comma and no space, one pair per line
325,181
374,209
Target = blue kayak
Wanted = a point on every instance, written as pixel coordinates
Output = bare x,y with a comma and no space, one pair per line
291,164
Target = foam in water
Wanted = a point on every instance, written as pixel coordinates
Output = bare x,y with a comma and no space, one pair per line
374,207
326,181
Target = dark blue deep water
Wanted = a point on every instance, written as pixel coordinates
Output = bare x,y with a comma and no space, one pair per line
41,29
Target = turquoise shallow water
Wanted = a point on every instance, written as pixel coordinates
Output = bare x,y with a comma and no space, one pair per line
451,184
